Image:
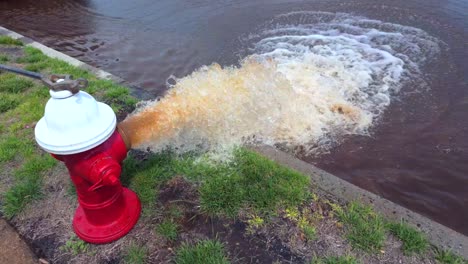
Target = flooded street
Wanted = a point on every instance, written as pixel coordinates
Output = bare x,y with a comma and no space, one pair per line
416,151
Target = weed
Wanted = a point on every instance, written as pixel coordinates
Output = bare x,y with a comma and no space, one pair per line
204,252
413,240
292,214
448,257
365,228
310,232
75,246
168,230
6,40
135,254
254,223
335,260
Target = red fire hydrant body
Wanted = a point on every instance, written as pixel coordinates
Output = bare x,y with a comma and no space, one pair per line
106,211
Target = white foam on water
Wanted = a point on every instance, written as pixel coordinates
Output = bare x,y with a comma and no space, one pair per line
311,78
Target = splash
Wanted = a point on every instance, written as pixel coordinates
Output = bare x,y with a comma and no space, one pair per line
310,79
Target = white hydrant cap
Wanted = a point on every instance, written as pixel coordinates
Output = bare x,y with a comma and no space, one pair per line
74,123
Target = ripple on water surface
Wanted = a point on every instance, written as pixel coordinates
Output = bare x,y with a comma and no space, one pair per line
311,78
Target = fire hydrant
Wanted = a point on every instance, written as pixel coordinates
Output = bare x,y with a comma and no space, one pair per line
82,133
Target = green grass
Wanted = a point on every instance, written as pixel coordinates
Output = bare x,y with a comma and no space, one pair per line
4,58
135,254
75,246
145,177
12,146
252,182
335,260
6,40
8,102
204,252
448,257
168,230
413,240
28,184
365,229
10,83
309,232
35,166
17,197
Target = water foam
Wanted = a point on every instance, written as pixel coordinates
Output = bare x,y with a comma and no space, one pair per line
310,79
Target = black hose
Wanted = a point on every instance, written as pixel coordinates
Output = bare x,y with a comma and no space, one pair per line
29,74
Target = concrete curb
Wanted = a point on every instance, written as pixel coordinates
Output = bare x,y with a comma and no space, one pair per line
439,235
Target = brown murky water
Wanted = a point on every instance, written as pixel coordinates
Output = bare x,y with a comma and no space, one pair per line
417,152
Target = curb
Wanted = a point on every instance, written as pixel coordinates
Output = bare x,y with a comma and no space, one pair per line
437,234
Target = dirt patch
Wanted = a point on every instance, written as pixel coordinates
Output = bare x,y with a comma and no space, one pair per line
14,249
180,194
13,52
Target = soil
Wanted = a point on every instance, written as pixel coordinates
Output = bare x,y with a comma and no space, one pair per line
13,248
277,241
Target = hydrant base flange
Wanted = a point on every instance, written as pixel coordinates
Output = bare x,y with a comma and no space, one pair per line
101,234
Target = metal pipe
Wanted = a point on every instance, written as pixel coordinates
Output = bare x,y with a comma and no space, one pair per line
29,74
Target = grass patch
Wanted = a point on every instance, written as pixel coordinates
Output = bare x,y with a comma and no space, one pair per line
448,257
204,252
12,146
413,240
145,177
254,182
309,232
365,229
75,246
6,40
32,55
168,230
28,184
3,58
11,83
250,181
335,260
18,196
35,166
135,254
8,102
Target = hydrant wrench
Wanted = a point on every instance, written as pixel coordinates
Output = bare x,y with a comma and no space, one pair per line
56,82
